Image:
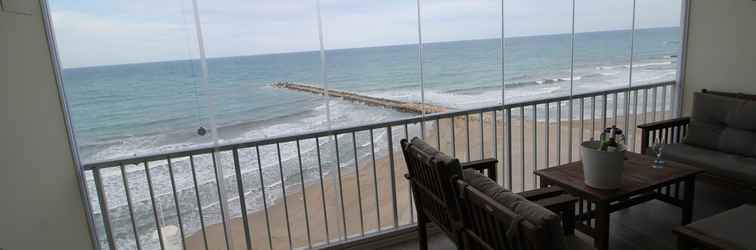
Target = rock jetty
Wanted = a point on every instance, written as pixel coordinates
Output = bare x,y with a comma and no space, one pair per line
409,107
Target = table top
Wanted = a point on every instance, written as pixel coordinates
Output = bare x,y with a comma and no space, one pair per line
638,177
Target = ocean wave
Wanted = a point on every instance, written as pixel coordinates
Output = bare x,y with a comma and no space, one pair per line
479,88
545,81
641,65
652,64
522,84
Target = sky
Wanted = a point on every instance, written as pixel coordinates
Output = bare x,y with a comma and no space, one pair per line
109,32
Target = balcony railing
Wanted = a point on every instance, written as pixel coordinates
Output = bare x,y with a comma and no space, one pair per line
294,196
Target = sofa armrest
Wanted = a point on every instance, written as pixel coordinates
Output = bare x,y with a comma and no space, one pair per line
665,123
668,131
480,165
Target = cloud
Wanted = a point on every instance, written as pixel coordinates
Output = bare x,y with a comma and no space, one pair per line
131,31
85,40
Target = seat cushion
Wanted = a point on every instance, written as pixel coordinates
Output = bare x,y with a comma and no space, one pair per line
716,162
734,225
531,211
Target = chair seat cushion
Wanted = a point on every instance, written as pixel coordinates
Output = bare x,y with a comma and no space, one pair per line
531,211
716,162
734,226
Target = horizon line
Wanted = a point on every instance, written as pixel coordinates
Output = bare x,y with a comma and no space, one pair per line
350,48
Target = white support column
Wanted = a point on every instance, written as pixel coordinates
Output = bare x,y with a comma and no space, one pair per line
677,96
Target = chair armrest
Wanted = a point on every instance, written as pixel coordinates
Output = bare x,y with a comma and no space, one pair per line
562,201
542,193
480,165
668,131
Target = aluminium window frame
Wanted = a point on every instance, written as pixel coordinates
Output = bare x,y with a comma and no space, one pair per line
78,167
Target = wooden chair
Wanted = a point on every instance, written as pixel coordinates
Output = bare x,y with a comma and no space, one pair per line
431,175
487,224
433,189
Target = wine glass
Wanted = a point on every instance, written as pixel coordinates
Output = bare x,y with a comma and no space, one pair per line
658,147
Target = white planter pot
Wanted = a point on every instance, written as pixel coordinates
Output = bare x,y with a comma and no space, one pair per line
602,170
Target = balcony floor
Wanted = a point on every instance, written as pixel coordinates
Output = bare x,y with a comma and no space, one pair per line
645,226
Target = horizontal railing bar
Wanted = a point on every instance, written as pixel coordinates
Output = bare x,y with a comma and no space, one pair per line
346,130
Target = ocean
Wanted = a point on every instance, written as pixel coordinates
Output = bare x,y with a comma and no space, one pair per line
138,109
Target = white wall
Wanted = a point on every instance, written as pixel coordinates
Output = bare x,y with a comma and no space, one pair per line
721,47
40,203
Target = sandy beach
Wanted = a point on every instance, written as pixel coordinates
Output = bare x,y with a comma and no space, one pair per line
525,158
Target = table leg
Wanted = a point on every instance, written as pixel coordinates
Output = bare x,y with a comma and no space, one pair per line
687,202
683,244
568,220
601,238
543,183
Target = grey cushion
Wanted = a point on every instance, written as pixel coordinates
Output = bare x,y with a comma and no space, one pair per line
723,123
737,141
734,225
434,154
704,135
532,212
719,163
713,109
742,117
447,167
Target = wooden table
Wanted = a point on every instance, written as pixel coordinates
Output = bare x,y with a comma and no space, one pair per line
731,229
673,184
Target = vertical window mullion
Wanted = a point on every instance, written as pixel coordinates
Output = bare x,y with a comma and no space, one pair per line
420,70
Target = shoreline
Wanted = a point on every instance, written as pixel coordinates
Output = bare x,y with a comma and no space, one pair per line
522,179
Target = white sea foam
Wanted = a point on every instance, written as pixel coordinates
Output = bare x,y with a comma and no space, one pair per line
640,65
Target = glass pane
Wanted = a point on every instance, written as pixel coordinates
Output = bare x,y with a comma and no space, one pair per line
537,54
657,41
251,46
602,44
655,60
371,61
380,63
603,40
462,70
257,51
537,49
461,55
132,84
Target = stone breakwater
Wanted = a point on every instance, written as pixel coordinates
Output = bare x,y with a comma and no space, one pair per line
409,107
